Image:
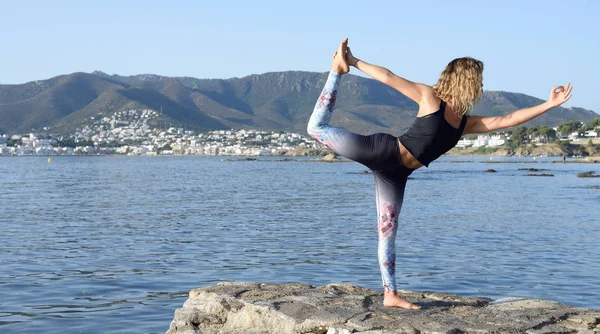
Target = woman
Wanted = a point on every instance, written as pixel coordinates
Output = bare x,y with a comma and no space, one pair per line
441,121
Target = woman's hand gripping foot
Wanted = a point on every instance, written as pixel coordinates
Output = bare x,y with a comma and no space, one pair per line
340,64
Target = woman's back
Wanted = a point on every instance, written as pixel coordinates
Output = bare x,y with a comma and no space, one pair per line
432,135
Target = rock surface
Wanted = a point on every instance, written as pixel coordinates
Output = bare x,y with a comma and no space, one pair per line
253,308
331,158
588,174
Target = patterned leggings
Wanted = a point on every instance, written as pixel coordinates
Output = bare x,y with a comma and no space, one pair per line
380,153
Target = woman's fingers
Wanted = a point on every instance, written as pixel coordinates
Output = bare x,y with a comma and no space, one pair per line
569,88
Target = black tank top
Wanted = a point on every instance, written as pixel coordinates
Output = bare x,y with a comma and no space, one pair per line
431,136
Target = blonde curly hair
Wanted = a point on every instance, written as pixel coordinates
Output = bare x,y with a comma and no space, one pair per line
462,83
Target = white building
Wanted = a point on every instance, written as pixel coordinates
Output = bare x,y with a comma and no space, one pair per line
497,140
464,142
539,139
482,140
141,150
42,143
44,150
573,135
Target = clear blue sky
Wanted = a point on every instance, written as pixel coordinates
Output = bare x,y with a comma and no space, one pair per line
527,46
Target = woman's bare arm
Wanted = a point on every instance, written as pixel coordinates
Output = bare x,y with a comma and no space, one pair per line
479,124
412,90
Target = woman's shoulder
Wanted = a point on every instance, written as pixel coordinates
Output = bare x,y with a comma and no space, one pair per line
430,102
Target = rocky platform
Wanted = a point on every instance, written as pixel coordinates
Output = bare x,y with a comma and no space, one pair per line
253,308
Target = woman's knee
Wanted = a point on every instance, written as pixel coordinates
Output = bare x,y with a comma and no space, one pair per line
317,131
312,130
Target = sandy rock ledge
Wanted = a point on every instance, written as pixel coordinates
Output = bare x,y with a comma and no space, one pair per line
253,308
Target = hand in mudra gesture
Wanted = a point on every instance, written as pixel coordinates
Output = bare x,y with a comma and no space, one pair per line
560,95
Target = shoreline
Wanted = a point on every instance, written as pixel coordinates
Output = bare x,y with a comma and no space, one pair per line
546,150
279,158
328,156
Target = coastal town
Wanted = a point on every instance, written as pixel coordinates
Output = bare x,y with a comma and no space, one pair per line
130,133
138,132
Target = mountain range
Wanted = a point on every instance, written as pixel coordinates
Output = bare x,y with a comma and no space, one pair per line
269,101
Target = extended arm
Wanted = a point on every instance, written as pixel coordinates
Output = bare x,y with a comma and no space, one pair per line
412,90
478,124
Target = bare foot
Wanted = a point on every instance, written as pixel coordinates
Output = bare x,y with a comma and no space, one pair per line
391,299
340,64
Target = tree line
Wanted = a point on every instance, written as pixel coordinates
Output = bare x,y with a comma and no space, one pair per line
521,134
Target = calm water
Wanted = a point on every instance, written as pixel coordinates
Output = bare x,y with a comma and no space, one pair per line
113,244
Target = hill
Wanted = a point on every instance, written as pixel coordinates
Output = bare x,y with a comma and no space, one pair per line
269,101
